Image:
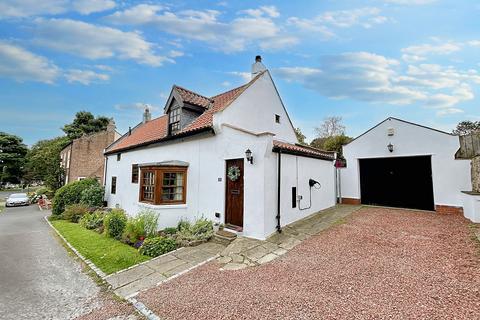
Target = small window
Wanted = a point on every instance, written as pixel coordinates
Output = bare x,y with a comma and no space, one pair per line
134,173
277,118
119,156
163,185
113,189
174,120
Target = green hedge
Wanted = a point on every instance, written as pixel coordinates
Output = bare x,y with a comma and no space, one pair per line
70,194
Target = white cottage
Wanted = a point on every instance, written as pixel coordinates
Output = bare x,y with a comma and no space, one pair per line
232,158
402,164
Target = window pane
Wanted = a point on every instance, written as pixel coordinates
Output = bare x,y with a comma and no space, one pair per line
148,185
172,186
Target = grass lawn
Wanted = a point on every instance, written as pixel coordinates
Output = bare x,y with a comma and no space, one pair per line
108,254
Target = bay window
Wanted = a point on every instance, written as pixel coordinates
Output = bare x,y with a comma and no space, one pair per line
163,185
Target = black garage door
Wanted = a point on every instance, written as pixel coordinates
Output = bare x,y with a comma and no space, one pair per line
404,182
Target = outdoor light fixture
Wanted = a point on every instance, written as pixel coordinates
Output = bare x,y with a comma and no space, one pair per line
390,147
248,155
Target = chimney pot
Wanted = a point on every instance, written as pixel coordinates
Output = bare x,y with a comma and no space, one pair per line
258,66
147,116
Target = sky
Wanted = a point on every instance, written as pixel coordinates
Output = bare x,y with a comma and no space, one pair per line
418,60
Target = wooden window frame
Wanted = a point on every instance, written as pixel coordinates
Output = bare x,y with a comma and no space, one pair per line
159,171
113,186
174,114
135,173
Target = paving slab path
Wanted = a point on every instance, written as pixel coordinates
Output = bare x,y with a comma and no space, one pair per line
129,282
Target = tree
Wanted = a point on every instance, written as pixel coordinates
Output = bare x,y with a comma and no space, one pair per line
85,123
12,158
300,136
318,143
335,143
331,126
43,162
467,127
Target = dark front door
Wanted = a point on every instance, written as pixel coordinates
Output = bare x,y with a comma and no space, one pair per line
234,192
404,182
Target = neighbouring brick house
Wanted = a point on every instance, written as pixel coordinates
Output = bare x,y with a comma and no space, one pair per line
83,157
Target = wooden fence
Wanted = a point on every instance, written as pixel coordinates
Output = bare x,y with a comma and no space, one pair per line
469,146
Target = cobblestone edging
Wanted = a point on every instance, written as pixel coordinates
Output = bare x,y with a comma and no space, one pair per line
89,263
143,309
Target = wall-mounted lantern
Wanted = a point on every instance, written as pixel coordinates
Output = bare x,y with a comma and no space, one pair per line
248,155
390,147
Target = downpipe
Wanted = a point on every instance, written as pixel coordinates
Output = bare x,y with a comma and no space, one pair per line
279,180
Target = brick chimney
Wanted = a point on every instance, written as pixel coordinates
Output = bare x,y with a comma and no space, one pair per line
258,66
147,116
111,125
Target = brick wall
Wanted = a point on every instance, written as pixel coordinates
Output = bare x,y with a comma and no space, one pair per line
440,209
476,174
86,156
351,201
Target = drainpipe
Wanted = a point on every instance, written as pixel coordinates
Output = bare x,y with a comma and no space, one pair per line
279,228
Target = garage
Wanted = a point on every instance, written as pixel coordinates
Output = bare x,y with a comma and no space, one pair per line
398,163
404,182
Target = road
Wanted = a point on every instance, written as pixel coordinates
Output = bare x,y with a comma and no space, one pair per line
38,279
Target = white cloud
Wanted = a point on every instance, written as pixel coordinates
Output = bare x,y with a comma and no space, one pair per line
429,49
95,42
22,65
411,2
254,27
245,76
85,76
365,17
28,8
90,6
136,106
373,78
449,111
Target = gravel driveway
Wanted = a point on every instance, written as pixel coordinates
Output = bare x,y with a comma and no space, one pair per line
382,263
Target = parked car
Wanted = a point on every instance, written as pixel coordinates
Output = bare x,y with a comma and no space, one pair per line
17,199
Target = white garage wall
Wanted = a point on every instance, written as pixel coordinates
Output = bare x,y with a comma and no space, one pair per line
296,171
450,176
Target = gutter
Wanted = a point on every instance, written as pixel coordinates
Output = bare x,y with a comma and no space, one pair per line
301,154
279,178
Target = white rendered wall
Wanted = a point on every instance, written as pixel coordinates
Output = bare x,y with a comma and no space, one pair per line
205,194
471,207
296,171
254,110
450,176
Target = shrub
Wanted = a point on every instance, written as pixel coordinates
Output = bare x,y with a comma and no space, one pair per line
183,225
70,194
142,226
114,223
170,231
92,196
156,246
200,231
75,212
92,220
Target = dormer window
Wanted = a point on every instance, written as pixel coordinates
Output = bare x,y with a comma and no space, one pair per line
174,120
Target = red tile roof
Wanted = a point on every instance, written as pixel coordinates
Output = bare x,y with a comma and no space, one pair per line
306,150
193,97
157,129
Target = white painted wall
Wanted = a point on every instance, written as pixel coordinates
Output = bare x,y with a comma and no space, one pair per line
255,110
471,207
205,194
296,171
450,176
